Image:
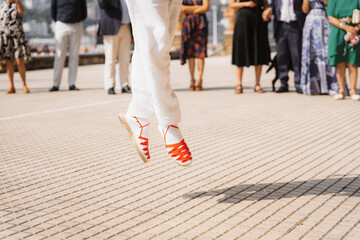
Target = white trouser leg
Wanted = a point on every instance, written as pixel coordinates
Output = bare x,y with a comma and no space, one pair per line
154,23
110,48
62,42
124,54
75,40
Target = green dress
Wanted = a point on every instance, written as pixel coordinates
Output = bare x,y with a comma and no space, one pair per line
339,50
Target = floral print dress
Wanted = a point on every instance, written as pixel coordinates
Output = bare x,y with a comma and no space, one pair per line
13,43
317,76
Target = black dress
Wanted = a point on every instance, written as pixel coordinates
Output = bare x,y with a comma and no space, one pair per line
250,39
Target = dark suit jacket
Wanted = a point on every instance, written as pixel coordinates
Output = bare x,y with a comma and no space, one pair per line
300,16
68,11
110,17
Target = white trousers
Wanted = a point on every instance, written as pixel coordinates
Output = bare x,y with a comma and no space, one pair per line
154,24
117,48
67,36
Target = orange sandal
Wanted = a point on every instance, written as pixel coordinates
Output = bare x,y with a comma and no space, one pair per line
177,151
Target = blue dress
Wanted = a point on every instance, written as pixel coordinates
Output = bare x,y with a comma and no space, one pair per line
317,76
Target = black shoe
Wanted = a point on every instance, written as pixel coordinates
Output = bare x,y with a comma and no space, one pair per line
73,88
299,90
282,90
54,89
126,89
111,91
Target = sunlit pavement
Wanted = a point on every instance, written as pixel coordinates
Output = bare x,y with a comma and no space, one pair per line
266,166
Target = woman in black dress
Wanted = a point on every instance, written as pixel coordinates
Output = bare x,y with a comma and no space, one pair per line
250,40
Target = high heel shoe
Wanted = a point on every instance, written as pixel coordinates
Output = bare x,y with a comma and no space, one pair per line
258,89
192,85
238,89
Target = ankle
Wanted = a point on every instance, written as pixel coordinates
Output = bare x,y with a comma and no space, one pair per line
353,92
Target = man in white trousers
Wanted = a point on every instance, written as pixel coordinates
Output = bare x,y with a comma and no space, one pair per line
114,27
154,23
68,16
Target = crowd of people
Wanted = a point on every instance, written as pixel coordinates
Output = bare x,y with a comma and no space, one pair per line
316,39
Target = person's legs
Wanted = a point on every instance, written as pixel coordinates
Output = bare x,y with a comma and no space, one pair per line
258,88
62,42
75,40
154,24
124,54
340,74
353,71
294,40
10,73
283,55
192,73
22,70
201,66
110,49
239,75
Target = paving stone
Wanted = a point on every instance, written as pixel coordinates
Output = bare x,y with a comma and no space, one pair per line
266,166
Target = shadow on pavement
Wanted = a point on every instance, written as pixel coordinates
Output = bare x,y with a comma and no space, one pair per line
273,191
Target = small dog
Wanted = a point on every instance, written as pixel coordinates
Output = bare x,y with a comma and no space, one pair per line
274,64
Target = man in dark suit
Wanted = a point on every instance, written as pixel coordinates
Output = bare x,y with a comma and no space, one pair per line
114,27
288,25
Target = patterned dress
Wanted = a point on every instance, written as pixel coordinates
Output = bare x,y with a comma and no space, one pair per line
317,76
13,43
194,34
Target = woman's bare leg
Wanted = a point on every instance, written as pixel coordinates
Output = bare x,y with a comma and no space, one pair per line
353,72
258,69
192,73
22,70
340,74
10,73
239,75
201,66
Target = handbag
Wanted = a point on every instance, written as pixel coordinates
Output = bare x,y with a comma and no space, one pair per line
356,16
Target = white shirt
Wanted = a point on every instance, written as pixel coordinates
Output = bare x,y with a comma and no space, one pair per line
125,13
287,13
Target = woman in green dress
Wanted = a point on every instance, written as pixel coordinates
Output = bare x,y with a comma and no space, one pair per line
341,53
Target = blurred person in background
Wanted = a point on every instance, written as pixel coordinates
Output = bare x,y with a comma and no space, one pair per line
13,44
194,38
288,26
344,53
317,76
114,27
250,40
68,16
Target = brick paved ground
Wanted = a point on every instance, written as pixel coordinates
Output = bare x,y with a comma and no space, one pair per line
265,166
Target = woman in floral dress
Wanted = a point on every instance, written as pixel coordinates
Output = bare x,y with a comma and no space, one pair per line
194,38
317,76
13,44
